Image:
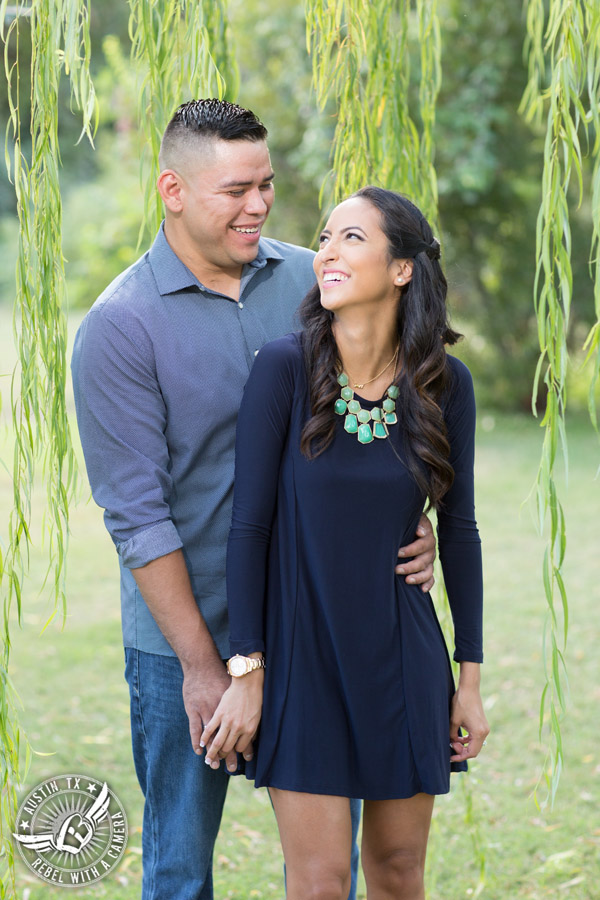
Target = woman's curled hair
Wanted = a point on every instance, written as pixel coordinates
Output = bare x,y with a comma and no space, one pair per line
423,332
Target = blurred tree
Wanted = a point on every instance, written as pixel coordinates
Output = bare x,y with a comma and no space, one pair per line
275,81
103,214
487,163
488,160
79,162
175,45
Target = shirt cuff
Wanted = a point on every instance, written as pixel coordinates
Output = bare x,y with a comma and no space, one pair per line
468,654
143,547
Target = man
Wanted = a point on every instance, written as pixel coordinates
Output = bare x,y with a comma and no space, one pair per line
159,366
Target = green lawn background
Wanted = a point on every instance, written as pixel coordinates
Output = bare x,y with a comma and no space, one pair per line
75,701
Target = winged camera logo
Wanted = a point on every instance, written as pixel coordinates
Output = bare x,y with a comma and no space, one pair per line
71,830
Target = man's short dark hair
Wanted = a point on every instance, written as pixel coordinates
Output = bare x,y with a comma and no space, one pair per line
218,118
206,120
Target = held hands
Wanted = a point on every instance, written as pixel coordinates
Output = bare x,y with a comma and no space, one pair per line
202,691
419,570
467,713
235,721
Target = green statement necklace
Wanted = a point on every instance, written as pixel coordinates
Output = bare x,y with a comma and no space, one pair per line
366,424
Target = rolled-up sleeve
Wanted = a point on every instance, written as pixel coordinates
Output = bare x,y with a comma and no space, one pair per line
122,415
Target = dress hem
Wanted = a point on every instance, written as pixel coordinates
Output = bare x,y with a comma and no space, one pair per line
384,794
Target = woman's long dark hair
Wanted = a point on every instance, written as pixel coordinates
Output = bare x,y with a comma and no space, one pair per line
423,332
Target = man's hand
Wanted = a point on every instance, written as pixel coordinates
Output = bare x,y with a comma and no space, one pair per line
202,692
419,569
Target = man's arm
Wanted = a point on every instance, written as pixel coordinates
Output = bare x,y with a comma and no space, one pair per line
165,586
122,419
419,569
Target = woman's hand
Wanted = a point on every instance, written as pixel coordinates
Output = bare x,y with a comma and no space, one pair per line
467,713
235,720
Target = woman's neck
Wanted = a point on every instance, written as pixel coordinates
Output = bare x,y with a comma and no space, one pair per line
368,350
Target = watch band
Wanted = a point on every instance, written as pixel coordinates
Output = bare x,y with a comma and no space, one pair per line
238,665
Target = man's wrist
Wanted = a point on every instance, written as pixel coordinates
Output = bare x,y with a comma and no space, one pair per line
207,663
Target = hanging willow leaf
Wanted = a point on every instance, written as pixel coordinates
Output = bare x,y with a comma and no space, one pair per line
58,32
563,49
181,50
592,343
361,67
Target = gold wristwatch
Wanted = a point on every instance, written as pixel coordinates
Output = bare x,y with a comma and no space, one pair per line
241,665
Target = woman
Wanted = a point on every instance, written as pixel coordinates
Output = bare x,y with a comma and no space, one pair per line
345,432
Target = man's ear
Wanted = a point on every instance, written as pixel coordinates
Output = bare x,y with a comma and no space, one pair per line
170,188
403,269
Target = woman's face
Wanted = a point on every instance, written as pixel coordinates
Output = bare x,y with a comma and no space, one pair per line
352,264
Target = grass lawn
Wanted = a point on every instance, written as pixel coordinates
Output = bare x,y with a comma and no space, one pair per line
75,702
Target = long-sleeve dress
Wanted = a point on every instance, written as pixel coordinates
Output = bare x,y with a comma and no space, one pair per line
358,681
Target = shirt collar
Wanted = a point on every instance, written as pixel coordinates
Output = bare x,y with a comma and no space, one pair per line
172,275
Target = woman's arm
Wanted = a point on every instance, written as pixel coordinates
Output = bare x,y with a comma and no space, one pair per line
262,430
460,555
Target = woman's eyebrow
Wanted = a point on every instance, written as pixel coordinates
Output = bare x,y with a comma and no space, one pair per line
347,228
354,228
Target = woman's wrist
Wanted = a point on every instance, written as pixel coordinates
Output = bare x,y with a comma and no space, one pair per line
249,682
470,675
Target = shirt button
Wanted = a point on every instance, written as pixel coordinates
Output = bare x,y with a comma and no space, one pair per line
241,305
256,352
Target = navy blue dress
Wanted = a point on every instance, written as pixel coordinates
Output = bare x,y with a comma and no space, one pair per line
358,681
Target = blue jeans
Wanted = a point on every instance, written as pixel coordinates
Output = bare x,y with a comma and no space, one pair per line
184,797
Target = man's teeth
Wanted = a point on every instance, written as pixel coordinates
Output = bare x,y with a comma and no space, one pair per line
334,276
245,230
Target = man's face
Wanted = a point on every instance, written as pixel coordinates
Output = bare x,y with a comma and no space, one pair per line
226,196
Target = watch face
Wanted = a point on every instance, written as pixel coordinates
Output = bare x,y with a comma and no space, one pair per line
237,666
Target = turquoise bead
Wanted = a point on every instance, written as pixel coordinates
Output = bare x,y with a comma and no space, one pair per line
364,423
365,435
351,424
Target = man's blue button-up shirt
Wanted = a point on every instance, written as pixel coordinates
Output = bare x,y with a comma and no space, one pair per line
159,366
